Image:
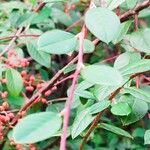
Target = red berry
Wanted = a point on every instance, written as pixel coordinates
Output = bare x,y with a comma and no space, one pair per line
23,73
32,78
1,108
4,81
30,88
44,101
39,86
11,115
4,94
5,105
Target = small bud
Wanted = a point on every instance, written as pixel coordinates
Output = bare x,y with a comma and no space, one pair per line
43,100
39,86
30,88
32,78
5,105
23,73
4,94
11,115
4,81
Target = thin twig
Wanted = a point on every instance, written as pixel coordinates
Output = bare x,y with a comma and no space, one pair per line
136,10
66,111
21,35
42,90
8,47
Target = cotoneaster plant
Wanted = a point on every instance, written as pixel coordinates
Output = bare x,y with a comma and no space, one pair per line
74,74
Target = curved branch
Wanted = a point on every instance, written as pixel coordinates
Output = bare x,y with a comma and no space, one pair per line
126,16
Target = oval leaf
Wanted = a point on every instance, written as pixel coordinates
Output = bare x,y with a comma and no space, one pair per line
121,109
140,40
101,74
136,67
57,42
103,23
115,3
88,46
41,57
81,122
115,130
14,82
98,107
147,137
36,127
141,94
139,110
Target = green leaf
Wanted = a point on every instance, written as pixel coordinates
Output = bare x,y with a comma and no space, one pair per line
102,74
14,82
36,127
70,68
138,132
127,58
131,3
98,107
123,29
84,93
41,57
57,42
82,120
115,3
144,13
114,129
139,110
137,67
147,137
88,46
140,40
141,94
101,92
61,17
16,101
121,109
103,23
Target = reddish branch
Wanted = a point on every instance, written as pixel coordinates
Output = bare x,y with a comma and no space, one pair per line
8,47
39,7
22,35
134,11
66,111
